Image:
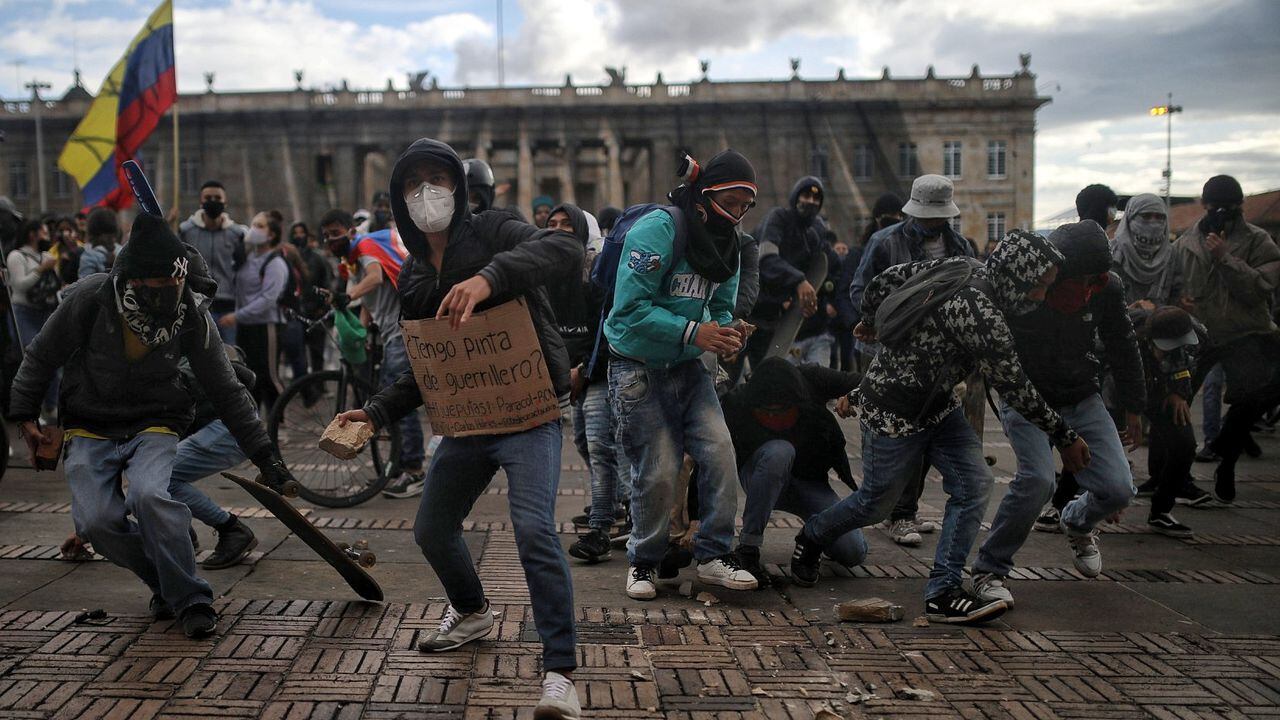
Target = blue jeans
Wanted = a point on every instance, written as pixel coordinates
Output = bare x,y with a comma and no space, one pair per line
29,322
767,479
814,350
1106,481
610,471
579,420
154,545
662,414
395,362
1211,401
460,471
208,450
889,464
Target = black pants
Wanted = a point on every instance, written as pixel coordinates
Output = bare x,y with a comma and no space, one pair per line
261,347
1171,449
1251,366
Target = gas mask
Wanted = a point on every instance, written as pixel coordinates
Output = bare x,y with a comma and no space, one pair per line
430,207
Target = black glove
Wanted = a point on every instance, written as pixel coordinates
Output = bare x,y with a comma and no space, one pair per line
274,472
340,300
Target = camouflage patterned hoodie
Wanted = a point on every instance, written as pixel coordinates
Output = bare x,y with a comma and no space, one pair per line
967,332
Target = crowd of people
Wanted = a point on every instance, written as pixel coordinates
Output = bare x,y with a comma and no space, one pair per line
697,361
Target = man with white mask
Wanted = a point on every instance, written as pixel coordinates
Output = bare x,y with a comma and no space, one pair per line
462,262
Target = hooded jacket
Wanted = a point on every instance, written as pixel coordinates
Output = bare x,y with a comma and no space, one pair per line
816,436
894,245
912,388
516,259
788,244
1232,295
1059,351
569,299
222,249
106,394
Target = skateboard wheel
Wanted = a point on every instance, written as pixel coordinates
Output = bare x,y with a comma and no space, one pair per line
361,545
290,489
367,559
343,547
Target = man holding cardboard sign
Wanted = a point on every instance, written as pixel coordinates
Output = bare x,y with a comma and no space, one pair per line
490,382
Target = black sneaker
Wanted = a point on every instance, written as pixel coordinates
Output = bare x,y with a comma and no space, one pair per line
958,606
582,521
1193,495
234,543
676,559
805,561
1148,488
749,559
198,621
1049,521
593,547
406,486
1166,525
160,609
1205,455
1224,483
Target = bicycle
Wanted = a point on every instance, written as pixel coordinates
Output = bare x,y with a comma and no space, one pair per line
307,406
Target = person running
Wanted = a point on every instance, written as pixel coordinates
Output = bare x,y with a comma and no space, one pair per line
119,338
1055,342
459,263
910,412
663,395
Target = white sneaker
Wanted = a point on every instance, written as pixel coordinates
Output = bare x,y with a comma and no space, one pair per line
640,583
559,699
927,526
457,630
1088,558
989,586
726,572
904,532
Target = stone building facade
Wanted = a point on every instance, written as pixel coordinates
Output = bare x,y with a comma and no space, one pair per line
304,151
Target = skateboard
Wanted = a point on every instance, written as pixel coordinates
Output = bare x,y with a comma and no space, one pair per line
349,560
784,334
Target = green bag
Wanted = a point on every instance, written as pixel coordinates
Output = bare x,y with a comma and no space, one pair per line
351,336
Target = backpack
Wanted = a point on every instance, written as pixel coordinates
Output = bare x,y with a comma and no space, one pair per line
909,303
290,299
604,273
44,294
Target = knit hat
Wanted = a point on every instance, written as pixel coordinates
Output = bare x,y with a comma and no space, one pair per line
1222,191
1086,249
153,251
543,200
1171,328
887,204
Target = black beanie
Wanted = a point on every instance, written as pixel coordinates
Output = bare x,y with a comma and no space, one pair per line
728,168
887,204
1086,249
153,251
1222,191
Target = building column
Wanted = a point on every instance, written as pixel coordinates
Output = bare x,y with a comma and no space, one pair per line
524,171
564,171
613,174
290,181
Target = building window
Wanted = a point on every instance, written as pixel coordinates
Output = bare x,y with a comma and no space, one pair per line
18,186
818,162
61,183
951,159
863,162
908,160
995,227
997,158
324,170
188,177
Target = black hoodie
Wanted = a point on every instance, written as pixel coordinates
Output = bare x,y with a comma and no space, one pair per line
570,300
788,242
517,259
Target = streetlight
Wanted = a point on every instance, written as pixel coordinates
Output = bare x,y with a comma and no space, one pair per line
1168,110
35,86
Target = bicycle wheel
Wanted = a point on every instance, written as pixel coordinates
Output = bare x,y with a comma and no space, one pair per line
299,418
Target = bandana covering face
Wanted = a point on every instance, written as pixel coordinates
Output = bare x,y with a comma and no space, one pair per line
1141,249
155,315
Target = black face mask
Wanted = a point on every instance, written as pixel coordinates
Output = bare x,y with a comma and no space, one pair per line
213,208
44,245
928,233
808,211
381,218
340,247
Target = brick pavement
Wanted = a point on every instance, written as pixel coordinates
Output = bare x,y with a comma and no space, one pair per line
1172,630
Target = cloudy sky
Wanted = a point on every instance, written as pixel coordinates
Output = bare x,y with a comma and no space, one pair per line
1103,62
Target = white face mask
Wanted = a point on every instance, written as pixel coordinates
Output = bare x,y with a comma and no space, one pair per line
430,207
257,237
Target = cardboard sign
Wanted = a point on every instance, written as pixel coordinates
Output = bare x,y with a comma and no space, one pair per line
487,377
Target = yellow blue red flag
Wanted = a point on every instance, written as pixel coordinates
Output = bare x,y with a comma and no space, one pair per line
133,98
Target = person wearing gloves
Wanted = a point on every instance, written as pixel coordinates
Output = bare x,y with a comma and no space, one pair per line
460,262
258,319
119,338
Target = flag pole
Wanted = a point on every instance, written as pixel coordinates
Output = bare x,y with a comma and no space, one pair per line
177,178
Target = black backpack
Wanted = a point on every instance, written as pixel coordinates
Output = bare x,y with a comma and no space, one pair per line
909,303
290,299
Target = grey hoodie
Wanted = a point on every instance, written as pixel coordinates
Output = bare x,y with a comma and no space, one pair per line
222,249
